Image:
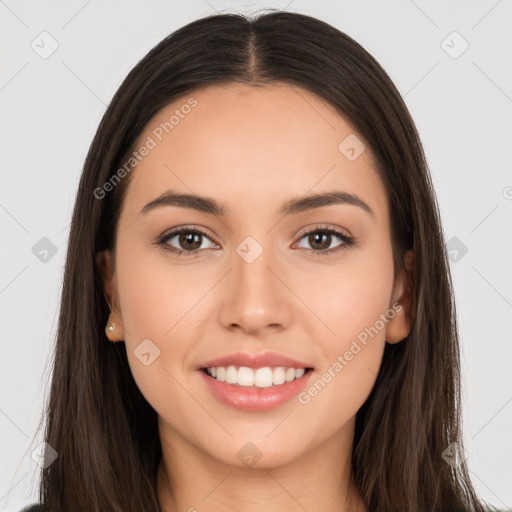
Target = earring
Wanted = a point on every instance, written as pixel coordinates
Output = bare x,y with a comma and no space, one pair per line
110,327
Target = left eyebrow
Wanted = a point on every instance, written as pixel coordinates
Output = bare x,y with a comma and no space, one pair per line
291,207
326,199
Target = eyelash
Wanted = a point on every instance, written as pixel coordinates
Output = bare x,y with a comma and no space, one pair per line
348,241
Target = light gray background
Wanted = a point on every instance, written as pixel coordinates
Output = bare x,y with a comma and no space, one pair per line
50,109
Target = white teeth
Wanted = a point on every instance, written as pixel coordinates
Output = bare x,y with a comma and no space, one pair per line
245,377
221,374
231,375
278,376
261,377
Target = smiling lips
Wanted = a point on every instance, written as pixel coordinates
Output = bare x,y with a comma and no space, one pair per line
255,382
271,359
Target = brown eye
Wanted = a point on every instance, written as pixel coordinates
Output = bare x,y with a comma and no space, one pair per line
184,240
190,241
320,240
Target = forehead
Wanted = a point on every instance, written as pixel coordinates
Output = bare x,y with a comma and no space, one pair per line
250,147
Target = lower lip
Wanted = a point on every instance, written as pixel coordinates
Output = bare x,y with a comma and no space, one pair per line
252,398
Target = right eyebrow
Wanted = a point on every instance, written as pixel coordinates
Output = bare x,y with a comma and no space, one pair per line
200,203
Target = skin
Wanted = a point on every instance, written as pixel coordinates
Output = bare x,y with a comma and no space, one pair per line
253,149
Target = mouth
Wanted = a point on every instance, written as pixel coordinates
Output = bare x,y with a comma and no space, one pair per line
255,389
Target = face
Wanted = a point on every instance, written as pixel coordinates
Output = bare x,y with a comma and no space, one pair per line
313,282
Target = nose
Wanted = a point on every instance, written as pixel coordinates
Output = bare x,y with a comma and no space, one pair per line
255,299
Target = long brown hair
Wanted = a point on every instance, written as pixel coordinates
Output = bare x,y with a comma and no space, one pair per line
103,429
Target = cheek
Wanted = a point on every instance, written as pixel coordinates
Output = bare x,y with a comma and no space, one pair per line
356,305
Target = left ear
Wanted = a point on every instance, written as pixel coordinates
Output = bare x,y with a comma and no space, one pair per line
105,263
399,327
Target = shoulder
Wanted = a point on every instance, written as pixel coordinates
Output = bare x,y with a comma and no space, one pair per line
36,507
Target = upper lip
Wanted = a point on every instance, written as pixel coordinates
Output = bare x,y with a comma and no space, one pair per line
254,361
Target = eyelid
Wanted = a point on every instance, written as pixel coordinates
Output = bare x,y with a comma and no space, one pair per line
190,227
320,226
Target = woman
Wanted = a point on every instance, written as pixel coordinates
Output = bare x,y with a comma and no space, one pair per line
252,372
